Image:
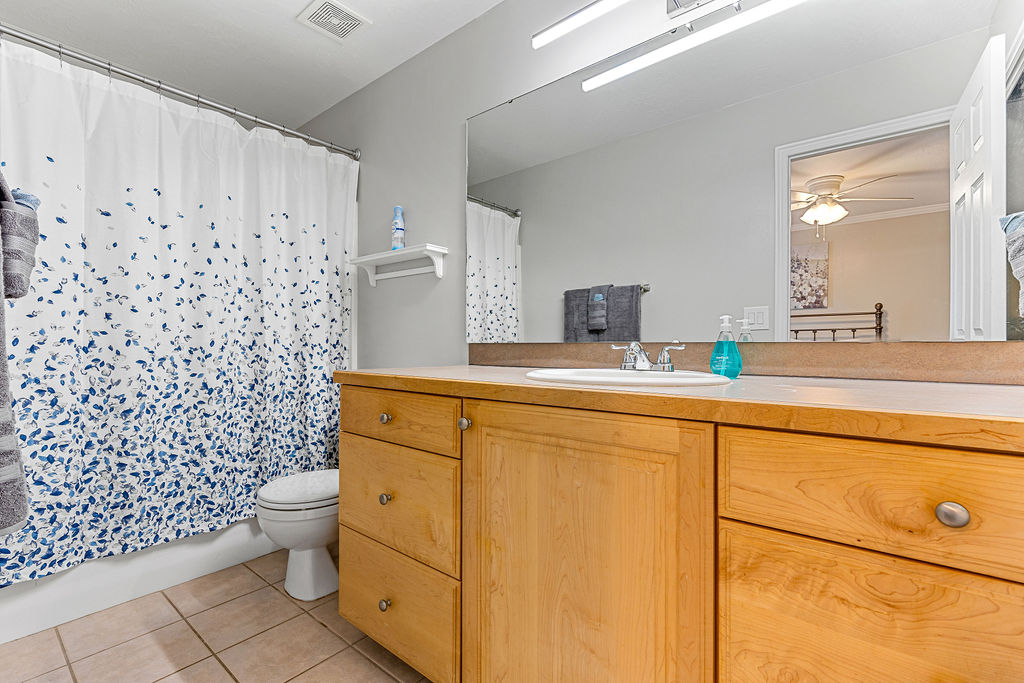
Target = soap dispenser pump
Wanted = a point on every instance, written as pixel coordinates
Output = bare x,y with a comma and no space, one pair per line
745,335
725,359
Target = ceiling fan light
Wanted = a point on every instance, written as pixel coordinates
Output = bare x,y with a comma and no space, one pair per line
824,212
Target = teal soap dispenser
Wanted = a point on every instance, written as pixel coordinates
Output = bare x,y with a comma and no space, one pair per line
725,359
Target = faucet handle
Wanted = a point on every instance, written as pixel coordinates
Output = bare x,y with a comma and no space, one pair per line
664,362
635,357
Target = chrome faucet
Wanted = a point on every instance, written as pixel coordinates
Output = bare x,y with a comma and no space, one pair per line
635,358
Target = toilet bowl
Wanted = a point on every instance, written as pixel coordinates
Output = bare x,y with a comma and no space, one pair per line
300,512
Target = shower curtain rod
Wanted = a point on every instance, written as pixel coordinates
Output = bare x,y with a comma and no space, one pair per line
515,213
161,87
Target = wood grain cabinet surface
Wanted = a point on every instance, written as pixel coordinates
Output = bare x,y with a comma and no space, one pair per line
407,499
588,546
798,609
878,495
419,619
416,420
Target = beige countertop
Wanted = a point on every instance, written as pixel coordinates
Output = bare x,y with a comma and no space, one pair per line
965,415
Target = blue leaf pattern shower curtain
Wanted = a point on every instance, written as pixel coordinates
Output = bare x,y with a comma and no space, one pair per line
189,304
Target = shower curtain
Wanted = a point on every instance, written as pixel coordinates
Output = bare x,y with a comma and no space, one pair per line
190,300
492,275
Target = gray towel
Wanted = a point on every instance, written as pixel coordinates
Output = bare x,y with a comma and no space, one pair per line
623,316
597,308
19,234
1015,254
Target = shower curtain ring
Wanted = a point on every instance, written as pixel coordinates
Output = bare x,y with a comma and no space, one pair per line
110,73
60,55
197,101
160,89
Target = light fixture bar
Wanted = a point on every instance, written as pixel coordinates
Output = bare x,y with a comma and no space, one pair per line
575,20
687,17
689,42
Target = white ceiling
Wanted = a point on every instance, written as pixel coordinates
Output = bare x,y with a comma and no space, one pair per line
813,41
250,54
919,160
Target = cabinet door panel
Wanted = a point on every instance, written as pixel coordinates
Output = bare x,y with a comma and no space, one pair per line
798,609
588,546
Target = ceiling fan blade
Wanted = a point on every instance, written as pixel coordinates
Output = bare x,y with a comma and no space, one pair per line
804,196
843,200
855,187
796,206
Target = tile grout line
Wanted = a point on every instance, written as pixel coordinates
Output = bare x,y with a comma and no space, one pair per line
173,606
203,640
371,660
348,646
64,651
315,621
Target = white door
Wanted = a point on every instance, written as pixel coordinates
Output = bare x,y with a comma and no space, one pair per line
977,199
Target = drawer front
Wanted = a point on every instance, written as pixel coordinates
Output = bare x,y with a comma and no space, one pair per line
421,624
422,421
798,609
419,513
878,495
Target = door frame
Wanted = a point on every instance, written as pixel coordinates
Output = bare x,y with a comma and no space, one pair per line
786,154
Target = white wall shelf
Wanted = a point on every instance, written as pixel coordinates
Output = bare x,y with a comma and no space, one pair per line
371,262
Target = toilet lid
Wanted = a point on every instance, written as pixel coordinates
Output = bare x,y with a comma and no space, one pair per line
305,487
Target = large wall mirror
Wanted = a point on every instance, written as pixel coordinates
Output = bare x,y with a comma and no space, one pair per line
833,173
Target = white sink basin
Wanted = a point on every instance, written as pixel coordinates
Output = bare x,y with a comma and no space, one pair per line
632,378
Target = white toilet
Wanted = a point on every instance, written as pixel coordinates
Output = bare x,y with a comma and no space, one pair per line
300,512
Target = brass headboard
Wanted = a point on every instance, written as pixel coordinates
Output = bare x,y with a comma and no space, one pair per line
877,327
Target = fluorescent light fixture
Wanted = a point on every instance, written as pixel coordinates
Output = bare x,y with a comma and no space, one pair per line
734,23
575,20
699,12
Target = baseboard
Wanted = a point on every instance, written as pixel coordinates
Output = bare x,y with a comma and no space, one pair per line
33,606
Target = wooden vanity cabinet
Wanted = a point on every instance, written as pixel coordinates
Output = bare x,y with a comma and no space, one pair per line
857,578
588,546
488,540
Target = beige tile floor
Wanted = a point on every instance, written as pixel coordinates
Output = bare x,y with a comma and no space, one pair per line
237,624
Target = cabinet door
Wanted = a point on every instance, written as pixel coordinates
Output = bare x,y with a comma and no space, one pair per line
798,609
588,546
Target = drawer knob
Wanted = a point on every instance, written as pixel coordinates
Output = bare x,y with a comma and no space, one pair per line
952,514
383,605
384,498
464,423
385,418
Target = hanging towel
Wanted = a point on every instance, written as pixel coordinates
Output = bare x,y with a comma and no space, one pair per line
597,308
1012,225
19,235
623,316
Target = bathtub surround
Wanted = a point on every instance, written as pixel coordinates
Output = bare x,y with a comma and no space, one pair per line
190,302
19,234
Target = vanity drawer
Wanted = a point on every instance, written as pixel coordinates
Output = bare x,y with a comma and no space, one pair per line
421,623
421,494
878,495
799,609
422,421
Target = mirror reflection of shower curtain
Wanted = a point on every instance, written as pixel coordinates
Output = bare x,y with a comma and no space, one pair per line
492,276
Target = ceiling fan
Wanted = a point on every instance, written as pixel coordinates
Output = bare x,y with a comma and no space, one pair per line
825,197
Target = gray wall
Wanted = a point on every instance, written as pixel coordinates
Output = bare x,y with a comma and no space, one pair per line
688,207
410,125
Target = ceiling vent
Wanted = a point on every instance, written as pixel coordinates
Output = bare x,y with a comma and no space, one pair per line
331,19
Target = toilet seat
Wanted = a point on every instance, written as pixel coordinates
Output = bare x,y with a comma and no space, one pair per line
303,491
296,515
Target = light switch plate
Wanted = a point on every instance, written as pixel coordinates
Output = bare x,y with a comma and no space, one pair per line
757,316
